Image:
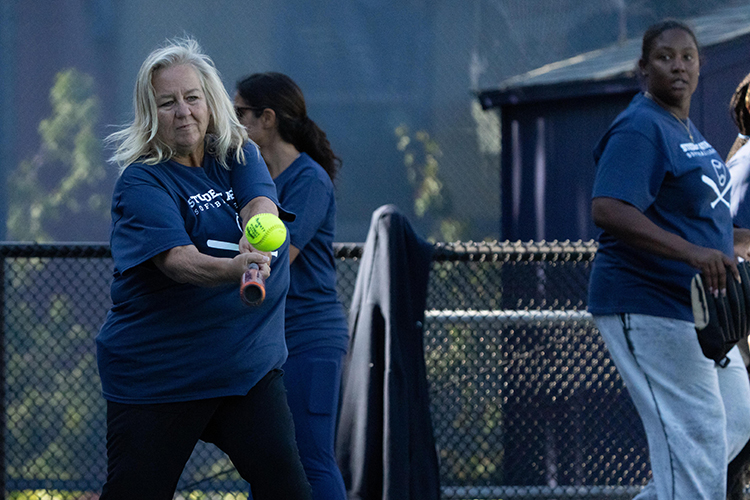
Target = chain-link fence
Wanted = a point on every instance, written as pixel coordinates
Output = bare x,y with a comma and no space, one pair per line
525,400
391,82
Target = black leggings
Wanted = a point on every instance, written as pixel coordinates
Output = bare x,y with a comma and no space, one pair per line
148,445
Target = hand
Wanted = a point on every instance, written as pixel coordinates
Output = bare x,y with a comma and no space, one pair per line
247,248
257,205
713,265
244,259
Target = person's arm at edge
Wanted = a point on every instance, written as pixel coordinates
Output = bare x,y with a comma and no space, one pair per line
625,222
186,264
258,205
742,242
293,253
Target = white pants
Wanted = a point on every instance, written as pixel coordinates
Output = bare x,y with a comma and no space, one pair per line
695,413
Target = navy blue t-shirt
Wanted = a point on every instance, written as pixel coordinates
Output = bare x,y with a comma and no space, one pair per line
165,341
648,160
314,315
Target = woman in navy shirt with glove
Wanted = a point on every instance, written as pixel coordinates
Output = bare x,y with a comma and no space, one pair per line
662,198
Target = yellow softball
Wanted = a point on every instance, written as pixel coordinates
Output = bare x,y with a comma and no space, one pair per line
265,232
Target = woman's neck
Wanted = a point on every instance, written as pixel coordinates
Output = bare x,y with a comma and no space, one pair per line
192,158
278,156
680,110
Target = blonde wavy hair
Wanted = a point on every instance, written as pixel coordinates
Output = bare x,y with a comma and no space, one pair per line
138,141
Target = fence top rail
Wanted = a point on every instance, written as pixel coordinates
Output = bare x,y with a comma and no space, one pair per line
496,251
510,251
492,251
57,250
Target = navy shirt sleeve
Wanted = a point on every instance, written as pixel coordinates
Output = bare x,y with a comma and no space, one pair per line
146,220
309,198
630,169
252,179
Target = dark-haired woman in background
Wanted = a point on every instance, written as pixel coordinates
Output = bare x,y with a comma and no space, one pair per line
739,107
658,199
738,159
738,163
303,166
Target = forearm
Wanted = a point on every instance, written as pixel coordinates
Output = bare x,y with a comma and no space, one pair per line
742,243
258,205
625,222
185,264
293,253
628,224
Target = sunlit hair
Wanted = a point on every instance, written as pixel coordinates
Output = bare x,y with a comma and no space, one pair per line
278,92
738,107
138,141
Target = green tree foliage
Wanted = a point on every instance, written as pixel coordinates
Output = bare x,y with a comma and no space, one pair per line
431,201
57,195
54,413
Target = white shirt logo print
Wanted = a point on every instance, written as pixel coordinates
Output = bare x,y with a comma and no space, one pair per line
721,171
721,174
210,199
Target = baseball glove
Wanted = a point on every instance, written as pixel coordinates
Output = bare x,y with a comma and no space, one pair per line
721,321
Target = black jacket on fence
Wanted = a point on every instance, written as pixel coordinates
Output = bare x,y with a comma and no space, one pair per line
385,443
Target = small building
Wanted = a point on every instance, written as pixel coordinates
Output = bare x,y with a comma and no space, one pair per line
552,117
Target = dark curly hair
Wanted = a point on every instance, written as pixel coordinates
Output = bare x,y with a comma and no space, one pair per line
738,105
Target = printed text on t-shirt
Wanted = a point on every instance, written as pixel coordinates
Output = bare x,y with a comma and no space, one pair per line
210,199
692,150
